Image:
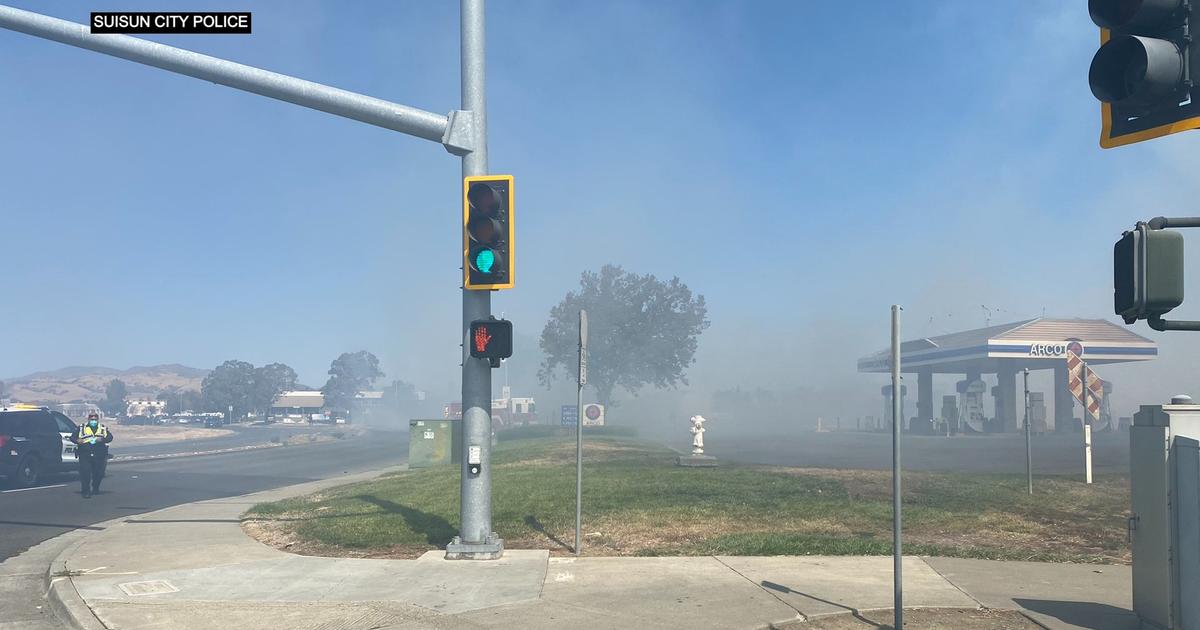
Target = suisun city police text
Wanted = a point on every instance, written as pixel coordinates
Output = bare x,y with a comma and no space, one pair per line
140,22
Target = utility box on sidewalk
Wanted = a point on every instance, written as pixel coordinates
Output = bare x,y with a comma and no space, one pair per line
1164,445
434,442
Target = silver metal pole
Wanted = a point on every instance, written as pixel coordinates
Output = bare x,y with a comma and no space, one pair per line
1028,446
897,555
476,540
374,111
579,432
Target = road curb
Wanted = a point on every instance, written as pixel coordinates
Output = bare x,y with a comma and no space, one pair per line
65,602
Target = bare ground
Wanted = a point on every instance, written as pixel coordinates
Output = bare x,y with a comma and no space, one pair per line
151,434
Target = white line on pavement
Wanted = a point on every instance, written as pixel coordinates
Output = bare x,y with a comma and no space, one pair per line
33,488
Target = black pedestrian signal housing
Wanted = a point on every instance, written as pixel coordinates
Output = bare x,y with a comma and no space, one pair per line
1147,273
488,232
1142,72
491,339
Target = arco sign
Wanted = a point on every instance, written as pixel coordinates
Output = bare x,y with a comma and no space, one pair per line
1056,349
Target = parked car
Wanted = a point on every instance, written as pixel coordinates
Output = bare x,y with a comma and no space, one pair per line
34,442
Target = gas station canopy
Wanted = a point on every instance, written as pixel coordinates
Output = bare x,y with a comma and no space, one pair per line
1036,344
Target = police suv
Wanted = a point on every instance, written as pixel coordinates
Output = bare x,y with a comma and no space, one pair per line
35,441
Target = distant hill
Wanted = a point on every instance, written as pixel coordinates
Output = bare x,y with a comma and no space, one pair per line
86,383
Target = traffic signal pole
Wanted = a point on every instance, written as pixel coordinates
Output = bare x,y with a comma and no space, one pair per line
462,132
373,111
476,540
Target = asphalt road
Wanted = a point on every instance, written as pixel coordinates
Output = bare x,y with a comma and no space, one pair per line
28,517
1052,453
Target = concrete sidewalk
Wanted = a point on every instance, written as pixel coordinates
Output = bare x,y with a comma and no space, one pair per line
191,566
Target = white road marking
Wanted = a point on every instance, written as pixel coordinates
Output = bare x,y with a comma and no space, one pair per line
33,488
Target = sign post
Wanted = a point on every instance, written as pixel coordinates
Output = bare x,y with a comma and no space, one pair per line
579,430
1087,426
897,419
1028,447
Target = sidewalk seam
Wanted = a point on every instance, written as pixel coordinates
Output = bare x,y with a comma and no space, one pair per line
951,583
803,617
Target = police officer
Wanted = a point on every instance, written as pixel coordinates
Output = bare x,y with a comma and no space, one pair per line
93,439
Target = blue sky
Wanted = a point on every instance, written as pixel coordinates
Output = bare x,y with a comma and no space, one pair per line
803,165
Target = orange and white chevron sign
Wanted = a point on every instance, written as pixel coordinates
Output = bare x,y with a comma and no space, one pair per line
1075,379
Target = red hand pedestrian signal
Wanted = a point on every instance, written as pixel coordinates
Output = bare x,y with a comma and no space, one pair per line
491,339
481,339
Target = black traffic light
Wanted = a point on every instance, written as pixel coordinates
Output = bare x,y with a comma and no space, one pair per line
1142,72
1147,273
491,339
488,232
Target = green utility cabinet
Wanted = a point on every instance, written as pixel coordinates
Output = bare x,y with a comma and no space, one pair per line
434,442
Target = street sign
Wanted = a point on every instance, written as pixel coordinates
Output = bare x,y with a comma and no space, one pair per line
570,415
583,348
593,415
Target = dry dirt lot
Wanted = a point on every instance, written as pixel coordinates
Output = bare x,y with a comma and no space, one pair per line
136,434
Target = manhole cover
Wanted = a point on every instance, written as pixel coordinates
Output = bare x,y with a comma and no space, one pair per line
151,587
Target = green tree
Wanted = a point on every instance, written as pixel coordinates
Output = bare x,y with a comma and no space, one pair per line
349,374
230,384
641,331
270,381
115,394
179,401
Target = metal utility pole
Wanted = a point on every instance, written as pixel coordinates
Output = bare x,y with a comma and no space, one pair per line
476,540
462,132
897,411
1028,446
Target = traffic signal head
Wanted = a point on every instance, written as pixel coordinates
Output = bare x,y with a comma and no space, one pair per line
1147,273
491,339
1142,72
488,232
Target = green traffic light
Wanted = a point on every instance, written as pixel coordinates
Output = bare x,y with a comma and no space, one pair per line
485,260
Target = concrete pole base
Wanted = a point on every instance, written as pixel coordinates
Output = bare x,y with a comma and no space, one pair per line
490,549
696,461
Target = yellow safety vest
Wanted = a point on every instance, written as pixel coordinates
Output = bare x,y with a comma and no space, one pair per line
86,432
